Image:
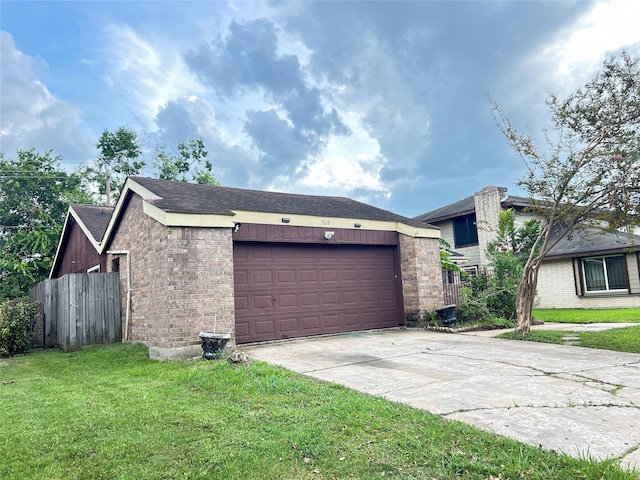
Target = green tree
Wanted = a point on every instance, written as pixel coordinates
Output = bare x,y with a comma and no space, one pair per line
118,157
507,254
190,164
34,197
589,172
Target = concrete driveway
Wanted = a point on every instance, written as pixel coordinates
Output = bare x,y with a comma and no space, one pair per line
580,401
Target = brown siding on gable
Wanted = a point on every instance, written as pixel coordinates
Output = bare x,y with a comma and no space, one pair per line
286,233
78,253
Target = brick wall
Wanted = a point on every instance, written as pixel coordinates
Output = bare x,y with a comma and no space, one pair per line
421,275
556,289
180,278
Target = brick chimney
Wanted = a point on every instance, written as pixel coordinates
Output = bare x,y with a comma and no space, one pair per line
487,204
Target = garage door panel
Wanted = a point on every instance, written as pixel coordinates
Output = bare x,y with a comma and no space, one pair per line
286,276
332,322
287,300
311,324
308,276
349,297
242,329
240,277
262,301
330,298
264,327
241,303
349,275
352,319
309,300
329,275
262,276
288,325
296,290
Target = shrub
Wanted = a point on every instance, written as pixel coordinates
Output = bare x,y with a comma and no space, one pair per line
473,308
17,320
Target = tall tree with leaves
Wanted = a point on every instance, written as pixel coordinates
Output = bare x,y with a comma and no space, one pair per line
34,196
118,157
589,172
190,164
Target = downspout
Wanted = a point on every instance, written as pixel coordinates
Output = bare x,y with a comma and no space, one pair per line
128,307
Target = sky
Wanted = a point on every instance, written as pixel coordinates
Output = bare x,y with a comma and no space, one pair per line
388,103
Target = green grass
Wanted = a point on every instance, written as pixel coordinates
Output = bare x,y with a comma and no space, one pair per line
544,336
111,413
618,339
576,315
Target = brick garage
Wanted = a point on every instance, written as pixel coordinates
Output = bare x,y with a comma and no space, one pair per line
174,245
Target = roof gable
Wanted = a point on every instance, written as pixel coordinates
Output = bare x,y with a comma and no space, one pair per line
92,220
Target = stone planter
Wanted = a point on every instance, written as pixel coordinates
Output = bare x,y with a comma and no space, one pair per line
213,344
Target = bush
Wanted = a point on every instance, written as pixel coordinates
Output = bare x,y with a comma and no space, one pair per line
472,310
17,320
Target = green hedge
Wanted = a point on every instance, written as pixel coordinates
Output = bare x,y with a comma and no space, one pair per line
17,321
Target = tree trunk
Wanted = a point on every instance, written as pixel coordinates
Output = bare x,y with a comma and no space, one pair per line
526,295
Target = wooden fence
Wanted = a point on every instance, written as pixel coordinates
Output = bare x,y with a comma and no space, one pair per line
79,309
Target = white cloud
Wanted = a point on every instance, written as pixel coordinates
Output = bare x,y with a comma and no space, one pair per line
150,74
579,50
30,115
348,163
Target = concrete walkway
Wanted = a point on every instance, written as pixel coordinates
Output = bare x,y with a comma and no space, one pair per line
580,401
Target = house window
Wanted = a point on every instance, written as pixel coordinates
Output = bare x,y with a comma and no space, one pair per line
95,269
465,232
604,274
472,270
115,265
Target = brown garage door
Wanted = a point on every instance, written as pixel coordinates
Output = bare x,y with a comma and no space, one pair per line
285,291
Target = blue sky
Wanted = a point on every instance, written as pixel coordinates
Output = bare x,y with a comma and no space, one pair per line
384,102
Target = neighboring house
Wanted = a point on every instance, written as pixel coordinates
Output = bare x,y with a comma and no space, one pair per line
262,265
79,246
586,270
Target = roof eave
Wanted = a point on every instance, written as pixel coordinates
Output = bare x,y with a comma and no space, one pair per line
591,253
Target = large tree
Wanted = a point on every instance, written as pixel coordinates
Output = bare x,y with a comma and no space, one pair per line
189,164
35,193
588,173
118,157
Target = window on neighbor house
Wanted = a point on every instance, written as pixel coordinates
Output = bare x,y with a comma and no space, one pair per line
472,270
465,232
603,274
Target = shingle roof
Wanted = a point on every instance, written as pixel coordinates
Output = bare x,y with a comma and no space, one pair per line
180,197
95,218
465,207
590,241
455,209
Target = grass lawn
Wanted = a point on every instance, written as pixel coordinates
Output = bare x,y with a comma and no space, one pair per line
111,413
618,339
576,315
